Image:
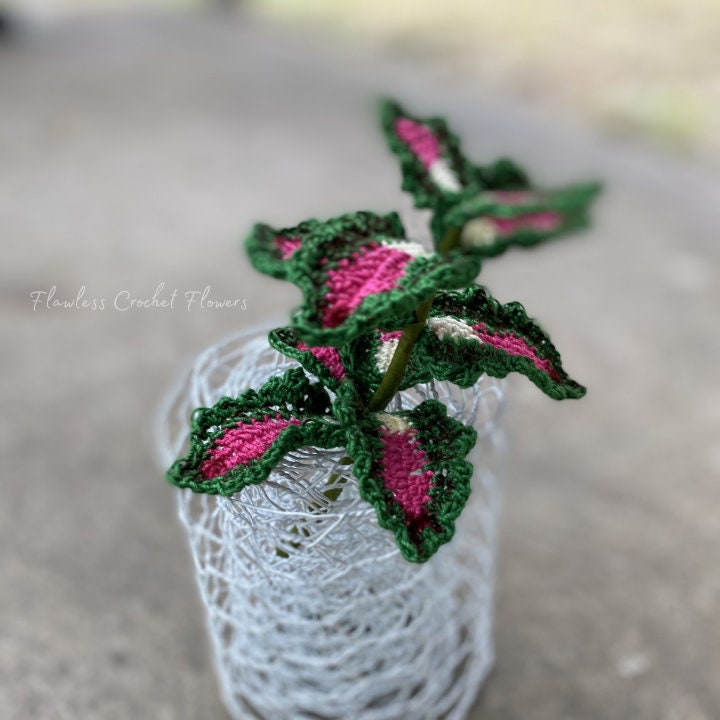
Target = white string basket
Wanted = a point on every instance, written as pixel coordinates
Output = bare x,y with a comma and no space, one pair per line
312,612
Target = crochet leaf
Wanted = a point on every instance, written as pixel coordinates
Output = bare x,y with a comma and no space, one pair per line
324,362
434,170
469,333
238,441
492,221
410,467
271,251
368,358
503,174
353,283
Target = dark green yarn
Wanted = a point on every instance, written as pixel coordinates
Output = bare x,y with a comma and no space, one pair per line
503,174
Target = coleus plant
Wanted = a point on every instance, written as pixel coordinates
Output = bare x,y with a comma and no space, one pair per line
380,314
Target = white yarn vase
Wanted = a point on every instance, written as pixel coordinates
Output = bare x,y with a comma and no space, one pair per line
312,612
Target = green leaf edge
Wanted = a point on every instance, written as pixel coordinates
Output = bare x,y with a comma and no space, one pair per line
502,174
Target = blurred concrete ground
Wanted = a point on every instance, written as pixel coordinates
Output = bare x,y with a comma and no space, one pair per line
648,69
136,151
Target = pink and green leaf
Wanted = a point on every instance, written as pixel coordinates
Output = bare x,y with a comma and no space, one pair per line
354,283
469,333
410,466
494,220
238,441
323,361
272,251
434,170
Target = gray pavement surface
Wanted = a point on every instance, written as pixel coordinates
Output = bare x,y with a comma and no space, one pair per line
137,151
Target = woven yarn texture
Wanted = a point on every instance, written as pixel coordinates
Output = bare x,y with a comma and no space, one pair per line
312,612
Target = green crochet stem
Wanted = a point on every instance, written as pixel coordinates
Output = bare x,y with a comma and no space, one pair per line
395,373
450,240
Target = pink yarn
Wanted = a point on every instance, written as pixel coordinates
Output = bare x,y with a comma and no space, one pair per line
541,221
420,140
514,345
390,335
287,245
403,462
243,443
329,357
372,269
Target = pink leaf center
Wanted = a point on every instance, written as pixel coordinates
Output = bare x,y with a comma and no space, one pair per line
540,222
243,443
513,197
402,470
371,270
514,345
287,245
388,336
420,139
329,357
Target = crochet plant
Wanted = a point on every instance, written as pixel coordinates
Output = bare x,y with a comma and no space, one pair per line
380,314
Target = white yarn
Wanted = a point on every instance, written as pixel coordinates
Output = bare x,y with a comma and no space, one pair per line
385,352
414,249
478,232
312,611
448,326
444,176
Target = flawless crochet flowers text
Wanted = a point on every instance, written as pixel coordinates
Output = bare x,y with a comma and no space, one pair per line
162,298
